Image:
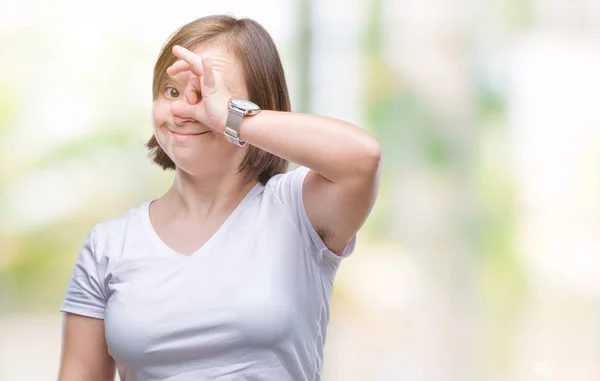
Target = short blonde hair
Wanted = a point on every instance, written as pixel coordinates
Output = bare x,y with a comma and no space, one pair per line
263,75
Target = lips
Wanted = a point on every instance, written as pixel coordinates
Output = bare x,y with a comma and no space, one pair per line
188,133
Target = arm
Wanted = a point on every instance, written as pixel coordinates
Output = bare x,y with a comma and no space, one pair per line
340,190
84,355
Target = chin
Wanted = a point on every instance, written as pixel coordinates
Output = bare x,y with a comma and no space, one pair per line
184,158
192,160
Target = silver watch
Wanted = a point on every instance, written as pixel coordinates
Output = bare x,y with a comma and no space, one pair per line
238,108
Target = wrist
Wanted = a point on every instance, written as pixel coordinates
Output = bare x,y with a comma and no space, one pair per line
238,110
223,119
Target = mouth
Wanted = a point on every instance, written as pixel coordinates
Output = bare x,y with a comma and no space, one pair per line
187,134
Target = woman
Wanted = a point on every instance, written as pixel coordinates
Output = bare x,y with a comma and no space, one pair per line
229,274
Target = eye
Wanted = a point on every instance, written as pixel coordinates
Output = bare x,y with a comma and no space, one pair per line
171,92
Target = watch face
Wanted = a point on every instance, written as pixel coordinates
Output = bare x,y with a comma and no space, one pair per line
244,104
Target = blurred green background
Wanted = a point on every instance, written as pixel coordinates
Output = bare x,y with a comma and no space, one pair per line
481,260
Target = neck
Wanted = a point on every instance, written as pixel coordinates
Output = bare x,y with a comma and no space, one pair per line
199,198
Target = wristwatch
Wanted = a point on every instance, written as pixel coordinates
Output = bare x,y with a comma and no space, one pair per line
238,108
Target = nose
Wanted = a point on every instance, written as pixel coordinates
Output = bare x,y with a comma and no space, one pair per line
180,121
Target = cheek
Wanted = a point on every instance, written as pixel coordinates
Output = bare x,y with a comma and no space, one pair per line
160,113
159,117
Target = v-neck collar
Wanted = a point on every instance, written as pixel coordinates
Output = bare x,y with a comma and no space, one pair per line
163,247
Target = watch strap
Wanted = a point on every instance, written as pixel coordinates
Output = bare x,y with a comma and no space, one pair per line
232,126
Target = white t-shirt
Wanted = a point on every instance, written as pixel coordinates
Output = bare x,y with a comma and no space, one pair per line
251,304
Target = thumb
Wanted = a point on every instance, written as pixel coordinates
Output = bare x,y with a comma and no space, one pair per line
183,109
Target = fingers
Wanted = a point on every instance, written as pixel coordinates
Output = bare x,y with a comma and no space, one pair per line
192,59
208,78
181,66
193,92
200,67
183,109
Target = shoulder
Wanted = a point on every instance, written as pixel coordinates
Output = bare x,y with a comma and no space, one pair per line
288,185
287,188
294,173
114,228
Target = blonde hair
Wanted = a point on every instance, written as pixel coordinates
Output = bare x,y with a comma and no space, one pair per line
263,75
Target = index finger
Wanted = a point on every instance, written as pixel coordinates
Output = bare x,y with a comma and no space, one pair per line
192,59
181,66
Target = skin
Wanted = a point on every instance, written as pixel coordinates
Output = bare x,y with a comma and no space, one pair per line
189,117
84,353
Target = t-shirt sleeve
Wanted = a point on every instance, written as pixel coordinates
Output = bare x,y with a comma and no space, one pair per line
288,189
86,293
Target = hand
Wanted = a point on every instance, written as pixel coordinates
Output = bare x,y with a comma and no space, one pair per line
211,110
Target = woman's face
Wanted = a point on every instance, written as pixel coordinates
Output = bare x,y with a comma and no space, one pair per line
192,146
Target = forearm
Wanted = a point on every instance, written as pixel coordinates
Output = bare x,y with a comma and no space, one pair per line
335,149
